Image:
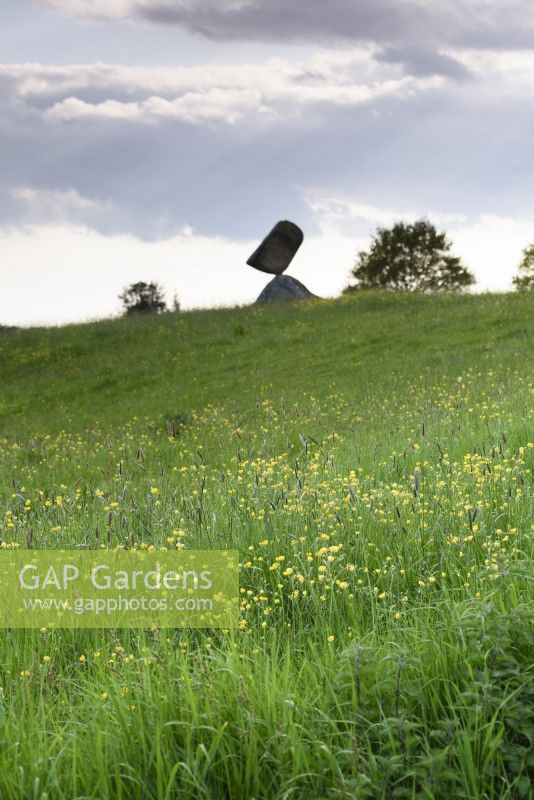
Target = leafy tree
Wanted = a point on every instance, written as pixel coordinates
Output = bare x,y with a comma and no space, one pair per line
410,258
143,298
524,280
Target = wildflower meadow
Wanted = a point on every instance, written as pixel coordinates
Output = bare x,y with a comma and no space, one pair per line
371,459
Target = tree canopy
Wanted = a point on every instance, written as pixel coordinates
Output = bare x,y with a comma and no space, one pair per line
410,257
143,298
524,280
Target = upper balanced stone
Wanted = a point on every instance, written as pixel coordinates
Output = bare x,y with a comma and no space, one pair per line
277,249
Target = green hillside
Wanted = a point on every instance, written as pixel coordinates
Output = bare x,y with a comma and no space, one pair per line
371,458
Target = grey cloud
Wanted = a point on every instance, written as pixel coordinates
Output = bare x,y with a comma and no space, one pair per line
277,19
418,34
422,61
431,25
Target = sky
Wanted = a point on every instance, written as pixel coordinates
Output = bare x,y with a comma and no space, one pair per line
161,140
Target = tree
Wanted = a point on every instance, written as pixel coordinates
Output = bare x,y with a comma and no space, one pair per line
524,280
410,258
143,298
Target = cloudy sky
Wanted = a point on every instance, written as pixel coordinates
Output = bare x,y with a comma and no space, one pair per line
162,139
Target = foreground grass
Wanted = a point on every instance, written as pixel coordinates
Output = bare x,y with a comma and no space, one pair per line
372,459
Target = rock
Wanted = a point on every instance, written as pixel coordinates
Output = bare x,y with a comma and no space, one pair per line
284,287
277,249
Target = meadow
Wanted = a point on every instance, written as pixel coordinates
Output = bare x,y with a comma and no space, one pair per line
371,458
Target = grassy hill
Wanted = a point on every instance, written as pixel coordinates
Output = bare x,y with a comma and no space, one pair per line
371,458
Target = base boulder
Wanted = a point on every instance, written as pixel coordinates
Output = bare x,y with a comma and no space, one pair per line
284,287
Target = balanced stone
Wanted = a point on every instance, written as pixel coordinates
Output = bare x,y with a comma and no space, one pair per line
277,249
284,287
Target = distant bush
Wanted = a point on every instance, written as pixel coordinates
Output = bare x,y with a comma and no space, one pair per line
143,298
524,280
410,258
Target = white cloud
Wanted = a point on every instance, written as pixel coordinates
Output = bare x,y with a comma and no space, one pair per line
92,9
119,9
334,210
273,89
54,200
206,93
38,206
194,107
